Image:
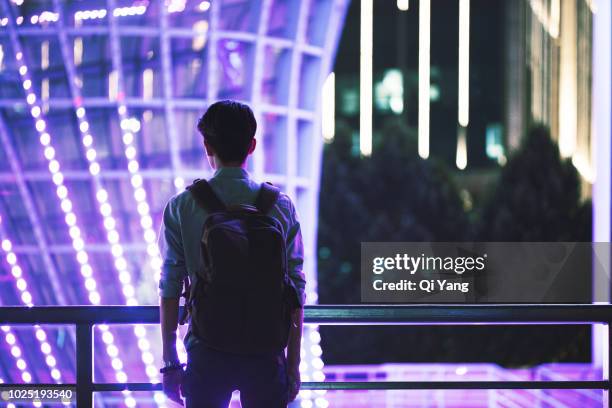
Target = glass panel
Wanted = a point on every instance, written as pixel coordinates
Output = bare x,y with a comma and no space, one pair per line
235,59
283,18
190,140
317,21
305,143
142,74
274,89
309,82
275,143
189,66
91,58
240,15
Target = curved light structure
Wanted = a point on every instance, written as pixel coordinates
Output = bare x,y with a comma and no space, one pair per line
66,204
120,86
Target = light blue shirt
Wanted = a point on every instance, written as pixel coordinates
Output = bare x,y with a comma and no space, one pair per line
181,230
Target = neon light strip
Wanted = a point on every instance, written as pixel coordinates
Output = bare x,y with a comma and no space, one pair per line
601,148
42,247
166,62
62,192
424,86
16,351
365,78
464,63
26,298
328,119
309,351
105,209
461,158
130,127
568,81
138,9
83,15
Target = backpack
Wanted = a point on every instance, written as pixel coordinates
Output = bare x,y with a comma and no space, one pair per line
241,300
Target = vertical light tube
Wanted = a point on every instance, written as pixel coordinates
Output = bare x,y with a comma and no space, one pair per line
78,51
568,76
424,52
44,55
112,85
461,156
463,100
555,18
602,148
464,63
328,108
147,84
365,78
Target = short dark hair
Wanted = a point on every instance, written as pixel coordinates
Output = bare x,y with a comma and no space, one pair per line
229,126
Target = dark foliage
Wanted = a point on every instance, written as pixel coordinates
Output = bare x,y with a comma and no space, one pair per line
396,196
392,196
537,197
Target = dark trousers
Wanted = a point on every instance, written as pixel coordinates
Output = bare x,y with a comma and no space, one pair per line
211,377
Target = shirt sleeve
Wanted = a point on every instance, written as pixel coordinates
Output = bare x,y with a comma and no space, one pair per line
295,256
170,244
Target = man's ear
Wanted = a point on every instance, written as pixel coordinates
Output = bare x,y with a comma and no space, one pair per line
253,145
210,151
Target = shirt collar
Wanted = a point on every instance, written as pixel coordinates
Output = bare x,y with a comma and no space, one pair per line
231,172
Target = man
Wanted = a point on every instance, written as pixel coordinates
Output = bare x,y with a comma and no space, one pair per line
265,380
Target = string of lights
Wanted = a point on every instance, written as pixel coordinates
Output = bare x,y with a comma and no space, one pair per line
66,205
26,297
224,54
130,126
79,16
16,351
105,209
137,9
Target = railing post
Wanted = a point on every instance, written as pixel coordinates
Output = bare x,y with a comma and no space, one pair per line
609,368
84,365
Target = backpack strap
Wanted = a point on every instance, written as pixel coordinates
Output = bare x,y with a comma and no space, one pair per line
266,198
205,196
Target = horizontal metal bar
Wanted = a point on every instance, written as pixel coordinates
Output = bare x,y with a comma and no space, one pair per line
150,174
456,385
54,386
172,32
111,387
401,385
460,314
187,104
333,314
90,247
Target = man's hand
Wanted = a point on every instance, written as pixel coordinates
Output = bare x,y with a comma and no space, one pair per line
294,382
293,354
172,381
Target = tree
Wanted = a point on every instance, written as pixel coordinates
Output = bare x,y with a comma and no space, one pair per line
393,195
537,198
396,196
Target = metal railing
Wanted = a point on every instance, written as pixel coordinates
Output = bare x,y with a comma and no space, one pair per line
85,317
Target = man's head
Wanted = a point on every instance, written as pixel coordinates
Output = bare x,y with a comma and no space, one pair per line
228,128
